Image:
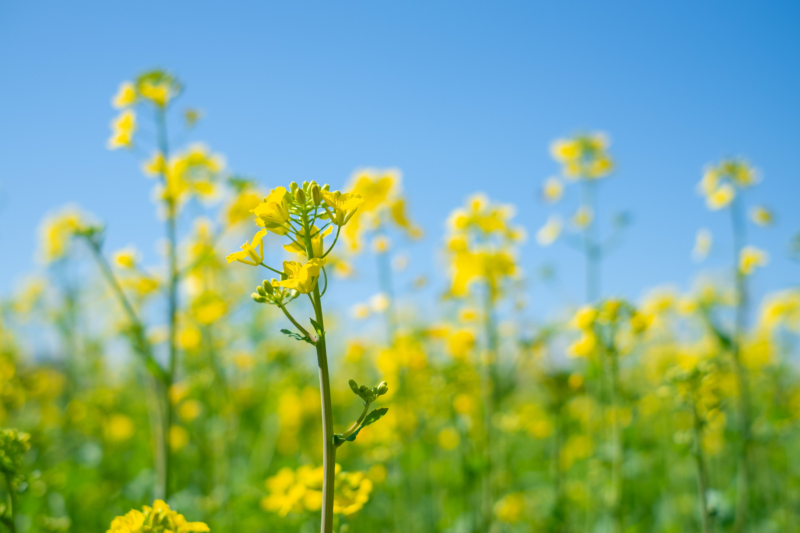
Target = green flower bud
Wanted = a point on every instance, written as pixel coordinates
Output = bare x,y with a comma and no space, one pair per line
383,388
300,196
268,288
258,298
261,290
326,187
353,385
293,186
316,194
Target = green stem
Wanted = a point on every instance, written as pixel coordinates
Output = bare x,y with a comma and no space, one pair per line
489,391
172,305
616,439
328,446
702,478
12,493
591,241
744,407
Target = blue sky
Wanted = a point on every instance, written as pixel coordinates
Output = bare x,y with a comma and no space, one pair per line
463,97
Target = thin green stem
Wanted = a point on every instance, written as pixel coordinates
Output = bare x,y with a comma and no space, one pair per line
744,407
328,445
702,477
172,305
591,246
489,392
12,494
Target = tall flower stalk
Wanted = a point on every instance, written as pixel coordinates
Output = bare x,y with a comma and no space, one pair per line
294,214
723,186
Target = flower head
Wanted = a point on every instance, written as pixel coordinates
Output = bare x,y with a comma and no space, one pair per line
273,212
251,254
156,519
750,258
299,277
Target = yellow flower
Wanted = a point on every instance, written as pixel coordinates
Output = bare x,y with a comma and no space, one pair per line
721,197
491,267
449,439
302,278
119,428
511,509
584,346
343,205
553,189
251,254
178,438
548,233
57,230
273,212
126,258
750,258
242,205
157,519
461,343
122,129
155,166
159,93
583,157
584,318
761,216
126,95
583,217
702,244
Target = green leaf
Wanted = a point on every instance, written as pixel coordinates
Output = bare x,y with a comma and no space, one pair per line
296,336
318,329
374,416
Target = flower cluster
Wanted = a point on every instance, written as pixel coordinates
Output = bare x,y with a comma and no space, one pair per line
383,206
584,156
481,244
721,181
291,491
156,519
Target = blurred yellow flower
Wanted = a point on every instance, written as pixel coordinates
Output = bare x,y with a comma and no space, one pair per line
751,258
460,344
122,129
583,217
761,216
449,439
553,189
178,438
157,519
721,197
126,95
548,233
584,346
119,428
702,244
584,156
511,509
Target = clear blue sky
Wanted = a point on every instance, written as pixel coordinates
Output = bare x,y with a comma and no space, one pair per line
462,96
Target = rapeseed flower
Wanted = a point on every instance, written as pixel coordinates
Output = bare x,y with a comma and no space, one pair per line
300,277
751,258
251,254
584,156
156,519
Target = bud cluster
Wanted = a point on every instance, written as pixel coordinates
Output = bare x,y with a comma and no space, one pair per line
367,394
269,292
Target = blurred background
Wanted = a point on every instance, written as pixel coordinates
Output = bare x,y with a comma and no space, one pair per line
444,100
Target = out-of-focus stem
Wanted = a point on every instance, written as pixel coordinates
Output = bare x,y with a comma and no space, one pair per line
702,477
172,304
743,493
591,241
489,391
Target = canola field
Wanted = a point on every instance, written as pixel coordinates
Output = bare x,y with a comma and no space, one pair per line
218,387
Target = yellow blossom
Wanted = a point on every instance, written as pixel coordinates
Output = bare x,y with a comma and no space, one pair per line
449,438
299,247
750,258
157,519
761,216
548,233
302,278
122,129
460,343
273,212
584,346
251,254
583,217
126,95
721,197
553,189
511,509
155,166
126,258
